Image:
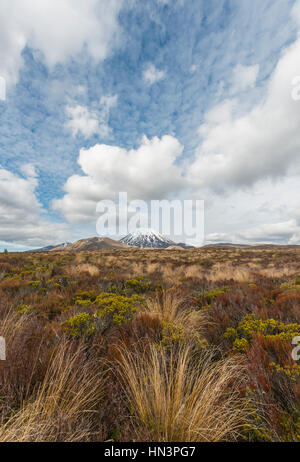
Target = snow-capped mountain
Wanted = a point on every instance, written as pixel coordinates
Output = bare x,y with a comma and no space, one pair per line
147,238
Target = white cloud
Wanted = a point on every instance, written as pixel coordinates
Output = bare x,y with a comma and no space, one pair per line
59,29
82,120
29,170
21,212
152,75
148,172
244,77
287,232
296,11
91,122
240,149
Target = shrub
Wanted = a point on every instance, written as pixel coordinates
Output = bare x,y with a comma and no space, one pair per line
24,309
34,283
172,333
117,308
82,324
138,285
211,295
90,296
269,328
240,345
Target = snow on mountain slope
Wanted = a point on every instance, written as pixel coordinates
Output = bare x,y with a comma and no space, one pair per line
147,238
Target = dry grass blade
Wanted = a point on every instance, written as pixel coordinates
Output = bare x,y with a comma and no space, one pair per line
170,308
65,403
175,399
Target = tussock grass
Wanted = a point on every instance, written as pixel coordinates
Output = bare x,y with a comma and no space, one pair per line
171,308
227,273
92,270
175,398
64,405
277,273
11,322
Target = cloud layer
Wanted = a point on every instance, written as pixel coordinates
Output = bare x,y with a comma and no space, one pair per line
214,104
58,29
241,146
241,149
23,219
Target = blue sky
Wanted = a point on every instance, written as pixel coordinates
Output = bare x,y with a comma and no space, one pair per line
190,50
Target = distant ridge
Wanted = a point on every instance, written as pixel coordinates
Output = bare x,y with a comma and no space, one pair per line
92,243
226,244
50,247
251,246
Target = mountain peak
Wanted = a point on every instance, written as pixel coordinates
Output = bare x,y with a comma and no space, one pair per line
146,238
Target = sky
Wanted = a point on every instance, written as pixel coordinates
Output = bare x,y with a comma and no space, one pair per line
162,99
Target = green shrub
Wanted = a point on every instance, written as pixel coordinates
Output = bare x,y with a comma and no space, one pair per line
230,334
34,283
171,333
91,296
117,308
138,285
24,309
82,324
240,345
269,328
210,295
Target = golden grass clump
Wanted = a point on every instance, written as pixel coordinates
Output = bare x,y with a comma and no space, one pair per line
92,270
171,308
65,403
227,272
175,398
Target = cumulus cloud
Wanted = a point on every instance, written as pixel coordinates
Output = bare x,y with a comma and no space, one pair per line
22,214
152,75
148,172
89,122
59,29
239,149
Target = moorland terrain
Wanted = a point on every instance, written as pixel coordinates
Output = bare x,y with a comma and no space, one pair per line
150,345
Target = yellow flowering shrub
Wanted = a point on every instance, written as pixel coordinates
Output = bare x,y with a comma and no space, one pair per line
269,328
82,324
292,372
138,285
117,308
171,333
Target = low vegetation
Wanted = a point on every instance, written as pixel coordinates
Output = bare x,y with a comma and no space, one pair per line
164,345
